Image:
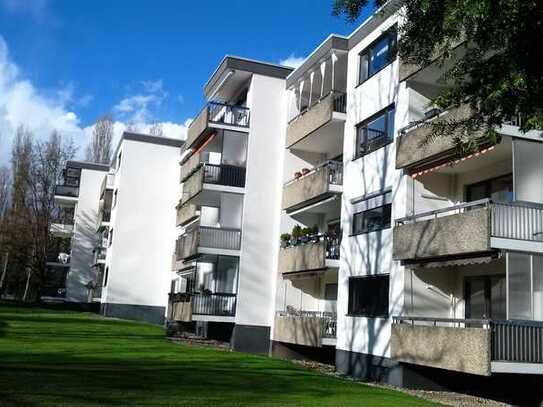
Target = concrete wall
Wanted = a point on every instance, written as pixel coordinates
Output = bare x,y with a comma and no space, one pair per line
84,237
143,223
310,256
460,349
315,117
307,188
418,144
457,234
198,125
528,169
298,330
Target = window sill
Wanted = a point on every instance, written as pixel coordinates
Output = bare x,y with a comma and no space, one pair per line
356,157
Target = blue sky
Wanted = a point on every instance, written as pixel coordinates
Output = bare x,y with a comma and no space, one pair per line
143,60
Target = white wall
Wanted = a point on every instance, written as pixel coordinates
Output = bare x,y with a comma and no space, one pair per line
143,222
370,253
231,210
528,163
261,207
84,237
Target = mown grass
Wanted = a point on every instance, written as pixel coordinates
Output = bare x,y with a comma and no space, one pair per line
64,358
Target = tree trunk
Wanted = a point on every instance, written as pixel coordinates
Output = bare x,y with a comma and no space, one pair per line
27,286
4,272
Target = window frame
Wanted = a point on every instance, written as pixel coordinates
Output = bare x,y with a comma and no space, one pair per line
350,300
393,41
364,123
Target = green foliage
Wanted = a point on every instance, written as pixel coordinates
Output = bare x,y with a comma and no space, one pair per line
56,358
285,237
297,232
498,73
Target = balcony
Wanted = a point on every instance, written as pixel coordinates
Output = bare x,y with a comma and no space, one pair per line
224,175
318,253
480,347
319,128
66,195
58,258
417,146
307,328
216,115
184,306
317,184
469,229
205,239
186,214
62,229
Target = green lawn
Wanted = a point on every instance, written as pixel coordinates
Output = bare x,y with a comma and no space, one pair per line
70,358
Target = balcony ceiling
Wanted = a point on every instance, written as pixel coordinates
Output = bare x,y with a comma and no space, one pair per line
326,140
500,153
311,214
234,82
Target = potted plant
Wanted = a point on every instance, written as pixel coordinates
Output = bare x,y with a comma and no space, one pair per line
305,171
297,174
296,233
306,234
285,239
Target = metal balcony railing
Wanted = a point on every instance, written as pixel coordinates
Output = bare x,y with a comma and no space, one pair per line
335,172
223,174
220,238
221,113
216,304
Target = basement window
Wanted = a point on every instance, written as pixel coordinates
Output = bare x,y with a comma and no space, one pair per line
368,296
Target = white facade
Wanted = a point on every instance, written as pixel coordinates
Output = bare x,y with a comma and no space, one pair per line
142,228
83,197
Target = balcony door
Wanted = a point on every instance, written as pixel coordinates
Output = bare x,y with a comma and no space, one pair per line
485,297
498,189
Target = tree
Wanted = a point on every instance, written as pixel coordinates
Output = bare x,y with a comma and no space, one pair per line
4,202
36,169
99,147
499,74
156,130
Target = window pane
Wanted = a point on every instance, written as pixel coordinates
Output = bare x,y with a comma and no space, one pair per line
376,133
368,296
363,73
519,286
372,220
380,54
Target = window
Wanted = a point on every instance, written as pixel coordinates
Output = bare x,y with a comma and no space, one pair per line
498,189
378,55
115,198
368,296
372,214
330,291
110,237
376,132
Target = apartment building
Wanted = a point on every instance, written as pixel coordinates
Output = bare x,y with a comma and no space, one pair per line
136,230
224,267
437,279
71,276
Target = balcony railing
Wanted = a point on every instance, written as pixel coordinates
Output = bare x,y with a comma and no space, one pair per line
223,174
466,228
315,184
214,304
309,253
219,114
208,237
231,115
315,117
510,340
67,190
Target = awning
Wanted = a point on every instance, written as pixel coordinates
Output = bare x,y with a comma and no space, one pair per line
454,262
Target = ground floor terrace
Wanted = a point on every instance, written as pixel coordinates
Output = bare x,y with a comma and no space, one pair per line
65,358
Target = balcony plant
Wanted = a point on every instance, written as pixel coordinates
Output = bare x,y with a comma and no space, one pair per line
305,171
296,234
306,234
297,174
285,240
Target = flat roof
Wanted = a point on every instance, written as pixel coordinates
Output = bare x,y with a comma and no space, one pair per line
231,62
87,165
146,138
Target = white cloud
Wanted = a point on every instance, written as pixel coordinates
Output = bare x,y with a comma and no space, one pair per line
292,61
41,111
